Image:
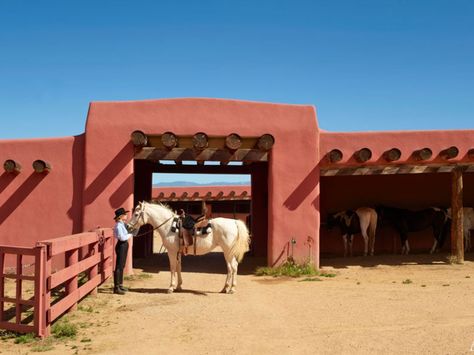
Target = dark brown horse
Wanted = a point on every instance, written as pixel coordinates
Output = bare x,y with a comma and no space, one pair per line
405,221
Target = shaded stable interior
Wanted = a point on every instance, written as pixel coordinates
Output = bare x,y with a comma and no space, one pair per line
411,191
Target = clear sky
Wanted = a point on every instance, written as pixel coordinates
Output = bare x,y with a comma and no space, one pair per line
365,65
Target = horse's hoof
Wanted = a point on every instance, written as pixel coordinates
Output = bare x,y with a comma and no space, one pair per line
178,289
170,290
231,291
223,290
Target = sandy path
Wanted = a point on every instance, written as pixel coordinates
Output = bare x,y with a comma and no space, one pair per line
364,309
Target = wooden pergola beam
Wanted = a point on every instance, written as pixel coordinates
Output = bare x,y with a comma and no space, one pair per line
395,169
209,154
11,166
40,166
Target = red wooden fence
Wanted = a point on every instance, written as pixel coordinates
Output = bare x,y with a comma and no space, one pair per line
88,255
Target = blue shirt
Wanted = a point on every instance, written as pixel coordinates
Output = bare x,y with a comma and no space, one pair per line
120,232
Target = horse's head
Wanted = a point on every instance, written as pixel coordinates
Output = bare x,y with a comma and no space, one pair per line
139,217
332,220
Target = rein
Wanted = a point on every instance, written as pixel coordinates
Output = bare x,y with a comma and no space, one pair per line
140,234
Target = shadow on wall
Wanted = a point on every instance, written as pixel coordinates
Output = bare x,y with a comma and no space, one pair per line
122,193
309,183
19,195
5,180
109,172
75,212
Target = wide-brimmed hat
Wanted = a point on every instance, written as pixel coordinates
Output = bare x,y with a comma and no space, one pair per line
120,212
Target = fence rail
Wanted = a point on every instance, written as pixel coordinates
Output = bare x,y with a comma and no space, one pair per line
87,264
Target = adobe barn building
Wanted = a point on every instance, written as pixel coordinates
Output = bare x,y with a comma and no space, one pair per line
59,186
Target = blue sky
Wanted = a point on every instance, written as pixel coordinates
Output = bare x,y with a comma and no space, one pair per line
365,65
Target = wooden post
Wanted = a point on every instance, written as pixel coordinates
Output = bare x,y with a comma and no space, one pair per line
2,284
457,238
47,291
40,287
72,257
19,272
94,270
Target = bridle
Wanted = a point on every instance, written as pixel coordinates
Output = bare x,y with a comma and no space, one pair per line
142,212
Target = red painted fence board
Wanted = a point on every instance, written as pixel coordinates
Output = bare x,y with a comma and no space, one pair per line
100,246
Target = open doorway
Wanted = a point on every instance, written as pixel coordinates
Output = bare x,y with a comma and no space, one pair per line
236,190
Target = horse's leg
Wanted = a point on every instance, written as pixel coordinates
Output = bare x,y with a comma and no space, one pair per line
364,227
178,270
344,238
433,248
350,244
405,245
228,278
234,265
173,257
366,241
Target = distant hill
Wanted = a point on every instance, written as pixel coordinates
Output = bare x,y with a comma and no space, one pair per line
189,183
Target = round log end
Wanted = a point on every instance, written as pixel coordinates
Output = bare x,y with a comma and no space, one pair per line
422,154
233,141
11,166
200,141
449,153
169,140
470,153
265,142
139,139
335,156
393,154
363,155
40,166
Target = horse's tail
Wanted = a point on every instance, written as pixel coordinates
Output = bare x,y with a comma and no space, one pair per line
373,224
242,241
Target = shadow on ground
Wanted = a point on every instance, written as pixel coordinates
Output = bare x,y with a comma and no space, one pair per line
212,263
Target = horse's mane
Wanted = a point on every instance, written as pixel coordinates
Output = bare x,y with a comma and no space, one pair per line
159,204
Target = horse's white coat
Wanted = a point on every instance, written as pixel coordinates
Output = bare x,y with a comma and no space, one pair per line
230,235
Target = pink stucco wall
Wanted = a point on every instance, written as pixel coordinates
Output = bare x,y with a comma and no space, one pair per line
293,174
41,206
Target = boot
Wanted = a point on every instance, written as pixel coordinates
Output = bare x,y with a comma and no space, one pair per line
117,289
120,282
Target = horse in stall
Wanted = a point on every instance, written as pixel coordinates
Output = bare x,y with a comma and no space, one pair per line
468,225
363,220
405,221
231,235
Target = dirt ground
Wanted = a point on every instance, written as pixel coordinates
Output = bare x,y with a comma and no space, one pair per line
385,304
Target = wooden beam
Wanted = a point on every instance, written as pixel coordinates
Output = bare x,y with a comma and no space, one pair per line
12,166
211,154
392,154
394,169
363,155
470,153
265,142
139,139
200,141
422,154
335,156
449,153
41,166
169,140
233,141
457,238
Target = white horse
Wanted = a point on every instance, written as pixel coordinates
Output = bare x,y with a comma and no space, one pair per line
468,225
231,235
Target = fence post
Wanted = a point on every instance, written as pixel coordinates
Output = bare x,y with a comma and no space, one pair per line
2,284
72,257
93,271
40,288
47,291
19,284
